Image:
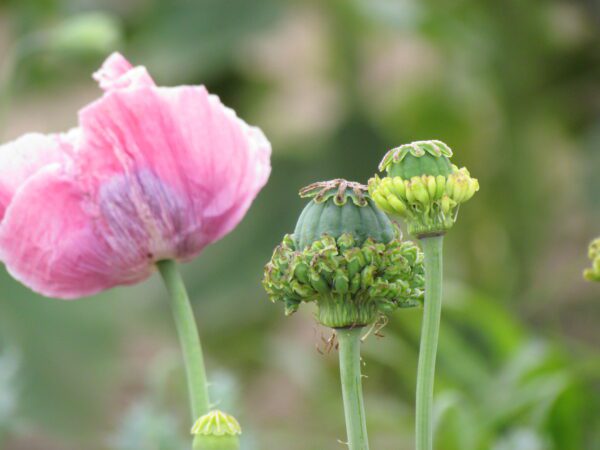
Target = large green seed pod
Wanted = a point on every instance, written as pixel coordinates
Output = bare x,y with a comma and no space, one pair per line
347,257
593,273
338,207
422,186
216,431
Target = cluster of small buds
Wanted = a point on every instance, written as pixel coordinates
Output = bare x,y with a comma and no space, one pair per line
428,201
352,284
216,431
593,273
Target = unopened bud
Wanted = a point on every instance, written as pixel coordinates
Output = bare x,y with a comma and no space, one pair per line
422,186
216,431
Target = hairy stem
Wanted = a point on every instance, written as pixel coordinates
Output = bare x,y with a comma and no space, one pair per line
354,408
188,338
432,249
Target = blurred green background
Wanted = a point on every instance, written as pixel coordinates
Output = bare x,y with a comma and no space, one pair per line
513,87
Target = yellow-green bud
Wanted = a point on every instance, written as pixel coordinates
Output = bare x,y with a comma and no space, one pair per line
382,202
440,183
419,190
422,186
399,188
216,431
431,185
398,205
410,194
593,273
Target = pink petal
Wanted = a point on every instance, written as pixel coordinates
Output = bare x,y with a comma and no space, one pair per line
190,141
153,173
49,242
23,157
118,73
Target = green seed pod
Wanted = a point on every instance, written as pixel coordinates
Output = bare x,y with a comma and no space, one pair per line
216,431
426,188
339,207
347,257
593,273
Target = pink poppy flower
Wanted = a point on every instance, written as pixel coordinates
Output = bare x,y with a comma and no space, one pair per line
151,173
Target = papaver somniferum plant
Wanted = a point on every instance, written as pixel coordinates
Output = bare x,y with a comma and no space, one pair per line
150,177
593,273
348,258
425,189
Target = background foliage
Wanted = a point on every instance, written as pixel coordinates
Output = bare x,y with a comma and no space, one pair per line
512,86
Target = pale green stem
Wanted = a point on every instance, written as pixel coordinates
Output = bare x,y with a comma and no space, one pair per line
188,338
354,408
432,249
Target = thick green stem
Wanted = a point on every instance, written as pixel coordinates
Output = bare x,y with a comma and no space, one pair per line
432,249
354,408
188,338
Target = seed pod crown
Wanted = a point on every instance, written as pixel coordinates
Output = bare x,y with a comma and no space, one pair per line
346,256
422,186
216,431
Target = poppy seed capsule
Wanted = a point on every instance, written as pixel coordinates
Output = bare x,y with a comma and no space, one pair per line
216,431
422,186
347,257
339,207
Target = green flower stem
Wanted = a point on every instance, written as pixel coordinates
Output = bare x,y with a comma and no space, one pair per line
188,338
432,250
354,408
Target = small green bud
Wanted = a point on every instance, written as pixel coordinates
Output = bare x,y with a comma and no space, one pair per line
301,272
345,242
216,431
593,273
291,305
399,188
429,180
319,283
93,32
419,190
341,283
355,283
440,184
367,277
397,204
410,193
382,202
302,289
422,186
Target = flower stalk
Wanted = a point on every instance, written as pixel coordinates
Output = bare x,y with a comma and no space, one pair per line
433,251
188,338
349,340
349,258
422,186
